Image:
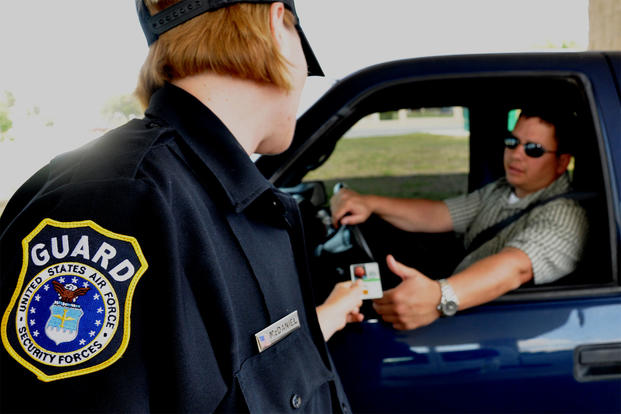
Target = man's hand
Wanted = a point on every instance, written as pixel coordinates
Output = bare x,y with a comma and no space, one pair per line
340,308
409,214
413,303
349,207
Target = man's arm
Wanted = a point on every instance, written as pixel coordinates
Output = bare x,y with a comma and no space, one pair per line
491,277
413,303
409,214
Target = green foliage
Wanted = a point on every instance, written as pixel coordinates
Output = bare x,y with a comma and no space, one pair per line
390,115
571,44
34,111
121,108
417,153
430,186
413,165
5,121
430,112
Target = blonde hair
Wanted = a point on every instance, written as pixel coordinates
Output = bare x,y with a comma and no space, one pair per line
234,40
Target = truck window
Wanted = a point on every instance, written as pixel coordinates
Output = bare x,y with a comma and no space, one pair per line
395,145
421,152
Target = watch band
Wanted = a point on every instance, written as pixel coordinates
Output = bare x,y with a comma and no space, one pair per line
449,302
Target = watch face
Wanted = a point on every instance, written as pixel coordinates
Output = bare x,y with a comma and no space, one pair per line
449,308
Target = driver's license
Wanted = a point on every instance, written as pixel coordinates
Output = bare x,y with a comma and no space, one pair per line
370,276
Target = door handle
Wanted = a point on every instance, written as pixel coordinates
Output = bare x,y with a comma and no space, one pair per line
597,362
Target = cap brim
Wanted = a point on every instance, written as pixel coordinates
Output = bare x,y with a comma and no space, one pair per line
311,61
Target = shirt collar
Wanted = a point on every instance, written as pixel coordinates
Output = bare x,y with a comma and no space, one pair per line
212,142
559,186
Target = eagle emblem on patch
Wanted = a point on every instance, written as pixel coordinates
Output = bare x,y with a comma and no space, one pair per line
70,312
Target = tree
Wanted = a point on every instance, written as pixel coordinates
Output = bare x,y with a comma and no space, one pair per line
34,113
122,108
5,122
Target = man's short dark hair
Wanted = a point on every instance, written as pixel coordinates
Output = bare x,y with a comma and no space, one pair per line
564,121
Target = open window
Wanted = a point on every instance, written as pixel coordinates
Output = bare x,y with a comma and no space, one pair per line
440,137
421,152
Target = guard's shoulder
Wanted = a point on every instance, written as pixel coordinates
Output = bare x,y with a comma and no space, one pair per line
92,175
117,154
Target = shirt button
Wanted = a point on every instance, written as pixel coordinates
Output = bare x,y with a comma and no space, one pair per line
296,401
344,406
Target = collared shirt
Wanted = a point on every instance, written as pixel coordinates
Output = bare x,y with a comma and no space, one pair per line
225,260
552,235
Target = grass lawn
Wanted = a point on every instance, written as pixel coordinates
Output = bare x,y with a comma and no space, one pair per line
413,165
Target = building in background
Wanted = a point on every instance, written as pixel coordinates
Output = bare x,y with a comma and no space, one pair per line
605,25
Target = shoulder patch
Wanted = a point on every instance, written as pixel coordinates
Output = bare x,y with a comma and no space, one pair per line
70,312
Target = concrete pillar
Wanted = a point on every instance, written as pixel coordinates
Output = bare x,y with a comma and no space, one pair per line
604,24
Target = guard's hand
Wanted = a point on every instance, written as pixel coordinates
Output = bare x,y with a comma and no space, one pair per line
340,308
349,207
413,303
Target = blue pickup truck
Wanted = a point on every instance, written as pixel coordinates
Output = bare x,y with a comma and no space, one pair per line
546,348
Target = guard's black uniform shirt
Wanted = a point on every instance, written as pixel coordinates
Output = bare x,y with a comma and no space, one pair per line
218,240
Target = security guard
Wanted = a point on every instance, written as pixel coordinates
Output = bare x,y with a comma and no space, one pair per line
156,269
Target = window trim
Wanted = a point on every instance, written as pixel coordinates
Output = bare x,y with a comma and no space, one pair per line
344,114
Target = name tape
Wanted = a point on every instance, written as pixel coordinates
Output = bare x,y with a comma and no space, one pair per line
277,331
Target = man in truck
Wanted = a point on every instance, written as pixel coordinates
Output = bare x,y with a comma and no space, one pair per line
536,234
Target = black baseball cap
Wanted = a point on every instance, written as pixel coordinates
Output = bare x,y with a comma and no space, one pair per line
181,12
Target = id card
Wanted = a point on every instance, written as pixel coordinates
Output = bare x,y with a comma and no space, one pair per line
370,276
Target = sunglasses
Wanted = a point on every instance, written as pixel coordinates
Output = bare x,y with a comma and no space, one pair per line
531,149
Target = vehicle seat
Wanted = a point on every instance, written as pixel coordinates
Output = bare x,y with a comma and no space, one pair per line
595,267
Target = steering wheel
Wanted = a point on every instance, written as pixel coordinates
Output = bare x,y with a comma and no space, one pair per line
348,238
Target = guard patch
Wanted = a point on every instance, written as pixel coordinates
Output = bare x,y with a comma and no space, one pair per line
70,312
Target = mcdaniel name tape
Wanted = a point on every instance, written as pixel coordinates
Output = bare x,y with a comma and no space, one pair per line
277,331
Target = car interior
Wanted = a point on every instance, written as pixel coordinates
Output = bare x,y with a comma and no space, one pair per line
488,101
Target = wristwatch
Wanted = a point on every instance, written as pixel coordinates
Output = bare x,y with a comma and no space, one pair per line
449,302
